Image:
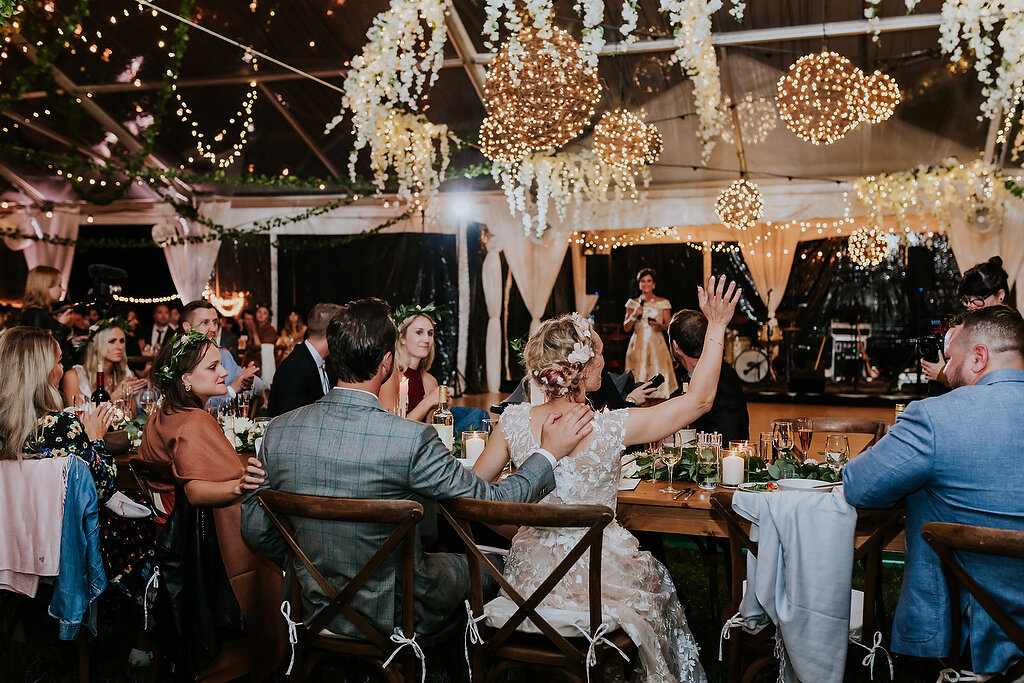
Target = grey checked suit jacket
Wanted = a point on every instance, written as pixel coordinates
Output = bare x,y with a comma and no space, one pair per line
347,446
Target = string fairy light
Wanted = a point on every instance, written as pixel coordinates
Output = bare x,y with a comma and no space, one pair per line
540,90
598,242
867,246
499,144
243,115
758,117
142,300
740,206
883,96
820,99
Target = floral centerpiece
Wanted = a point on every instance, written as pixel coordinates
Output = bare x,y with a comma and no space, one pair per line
647,466
242,432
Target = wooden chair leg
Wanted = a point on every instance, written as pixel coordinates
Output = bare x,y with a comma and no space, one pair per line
83,660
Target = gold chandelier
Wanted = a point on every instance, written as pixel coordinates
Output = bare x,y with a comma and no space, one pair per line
623,140
867,247
740,206
539,90
821,97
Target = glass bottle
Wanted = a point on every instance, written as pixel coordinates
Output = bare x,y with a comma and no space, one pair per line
442,418
100,395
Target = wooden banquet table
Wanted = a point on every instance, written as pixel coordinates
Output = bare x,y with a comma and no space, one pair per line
646,508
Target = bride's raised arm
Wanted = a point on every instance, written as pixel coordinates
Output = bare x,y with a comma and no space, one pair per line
644,425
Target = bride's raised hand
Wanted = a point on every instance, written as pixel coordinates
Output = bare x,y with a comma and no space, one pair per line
718,302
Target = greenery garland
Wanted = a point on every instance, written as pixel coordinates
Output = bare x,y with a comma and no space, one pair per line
783,468
6,10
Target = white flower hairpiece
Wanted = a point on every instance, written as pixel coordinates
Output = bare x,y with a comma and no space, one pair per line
581,353
582,324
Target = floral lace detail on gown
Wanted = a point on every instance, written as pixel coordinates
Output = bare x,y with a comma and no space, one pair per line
637,590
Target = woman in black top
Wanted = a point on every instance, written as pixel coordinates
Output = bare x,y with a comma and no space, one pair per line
43,289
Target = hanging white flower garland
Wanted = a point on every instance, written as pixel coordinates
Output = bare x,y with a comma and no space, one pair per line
384,83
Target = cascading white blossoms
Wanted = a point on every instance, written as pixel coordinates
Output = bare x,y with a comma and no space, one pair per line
542,179
970,24
386,81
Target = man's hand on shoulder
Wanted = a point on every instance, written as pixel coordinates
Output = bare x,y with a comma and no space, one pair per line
561,433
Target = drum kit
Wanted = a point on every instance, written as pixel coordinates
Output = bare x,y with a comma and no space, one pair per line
752,358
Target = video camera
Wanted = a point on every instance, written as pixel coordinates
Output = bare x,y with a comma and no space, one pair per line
929,346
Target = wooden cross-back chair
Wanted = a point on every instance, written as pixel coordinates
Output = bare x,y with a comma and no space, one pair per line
944,539
875,528
505,647
374,647
147,473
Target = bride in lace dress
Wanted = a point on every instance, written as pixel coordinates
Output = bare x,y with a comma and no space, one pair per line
564,355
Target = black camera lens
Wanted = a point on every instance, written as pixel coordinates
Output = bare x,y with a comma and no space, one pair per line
929,347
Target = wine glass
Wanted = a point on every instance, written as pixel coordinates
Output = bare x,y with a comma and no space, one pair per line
671,452
804,432
148,398
243,401
782,435
837,451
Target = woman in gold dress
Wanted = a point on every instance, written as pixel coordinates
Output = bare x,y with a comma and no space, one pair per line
647,317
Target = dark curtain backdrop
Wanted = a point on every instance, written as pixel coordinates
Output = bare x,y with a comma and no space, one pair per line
826,285
476,351
731,264
401,269
148,275
245,267
13,272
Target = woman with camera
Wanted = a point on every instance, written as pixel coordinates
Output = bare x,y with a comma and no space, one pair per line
986,284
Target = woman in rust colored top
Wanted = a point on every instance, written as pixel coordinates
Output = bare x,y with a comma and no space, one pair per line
209,471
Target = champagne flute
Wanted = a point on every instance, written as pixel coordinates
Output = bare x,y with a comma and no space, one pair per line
837,451
805,432
243,402
764,447
671,452
148,398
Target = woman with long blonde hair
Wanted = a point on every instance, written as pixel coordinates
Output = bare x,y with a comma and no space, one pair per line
43,289
104,352
414,354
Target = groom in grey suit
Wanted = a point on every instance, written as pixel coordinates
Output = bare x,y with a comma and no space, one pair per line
346,445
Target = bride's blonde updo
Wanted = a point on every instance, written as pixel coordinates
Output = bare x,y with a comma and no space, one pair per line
556,354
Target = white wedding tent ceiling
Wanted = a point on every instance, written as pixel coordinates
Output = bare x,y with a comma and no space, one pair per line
937,119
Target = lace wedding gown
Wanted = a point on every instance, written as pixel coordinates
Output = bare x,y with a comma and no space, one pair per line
637,590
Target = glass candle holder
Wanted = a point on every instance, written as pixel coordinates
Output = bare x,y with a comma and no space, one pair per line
734,466
473,445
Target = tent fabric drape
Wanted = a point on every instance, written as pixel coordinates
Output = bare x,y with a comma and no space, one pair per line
491,276
584,302
769,261
972,246
63,223
191,264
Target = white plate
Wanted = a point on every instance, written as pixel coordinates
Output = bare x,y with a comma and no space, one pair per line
804,485
749,486
628,484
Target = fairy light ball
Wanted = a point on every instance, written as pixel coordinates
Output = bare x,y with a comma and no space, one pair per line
498,144
883,96
740,206
867,247
757,116
821,97
541,90
623,140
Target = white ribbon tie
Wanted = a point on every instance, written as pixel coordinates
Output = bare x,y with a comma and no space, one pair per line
293,633
732,622
154,583
399,639
954,676
869,658
472,635
598,637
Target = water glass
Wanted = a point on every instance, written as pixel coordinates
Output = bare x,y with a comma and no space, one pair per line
709,463
148,398
837,451
782,436
764,448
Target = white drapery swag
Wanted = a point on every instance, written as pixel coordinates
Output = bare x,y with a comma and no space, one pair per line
973,244
491,276
534,265
63,223
191,264
769,259
584,302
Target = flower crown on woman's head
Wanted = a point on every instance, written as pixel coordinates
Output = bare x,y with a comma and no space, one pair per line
406,311
179,347
105,324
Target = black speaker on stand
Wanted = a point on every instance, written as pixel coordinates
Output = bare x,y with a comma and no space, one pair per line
597,273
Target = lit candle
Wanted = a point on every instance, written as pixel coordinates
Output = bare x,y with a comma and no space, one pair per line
732,469
403,397
474,447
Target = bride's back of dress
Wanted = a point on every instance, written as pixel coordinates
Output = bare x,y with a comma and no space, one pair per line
591,476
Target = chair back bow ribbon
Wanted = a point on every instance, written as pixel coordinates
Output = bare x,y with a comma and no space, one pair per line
398,638
954,676
732,622
598,637
869,658
293,633
472,635
154,584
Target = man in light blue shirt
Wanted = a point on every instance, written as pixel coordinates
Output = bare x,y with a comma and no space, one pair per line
202,316
957,458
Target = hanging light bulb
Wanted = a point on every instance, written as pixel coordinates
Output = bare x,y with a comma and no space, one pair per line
867,246
740,206
821,98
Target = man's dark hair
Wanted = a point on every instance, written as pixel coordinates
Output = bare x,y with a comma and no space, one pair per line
319,318
358,337
998,328
687,330
186,313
